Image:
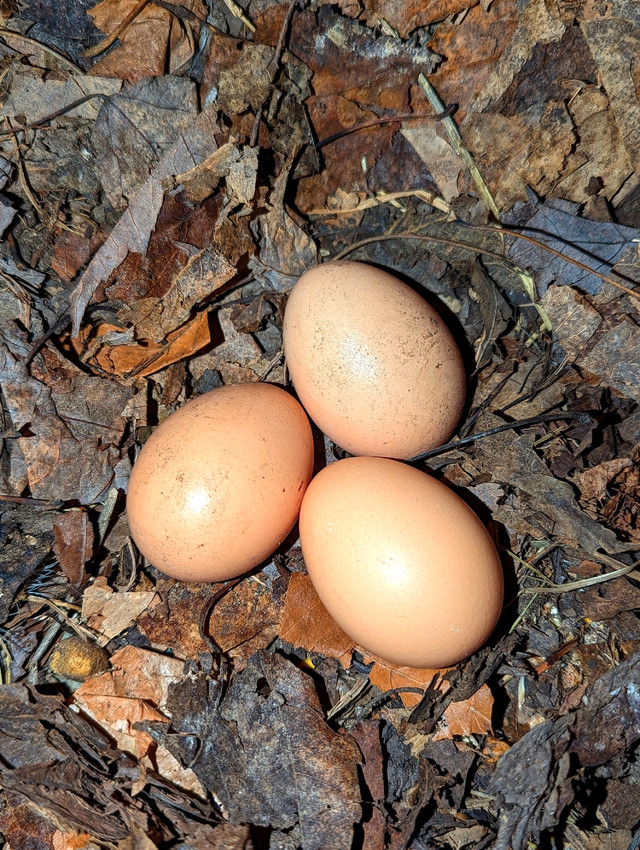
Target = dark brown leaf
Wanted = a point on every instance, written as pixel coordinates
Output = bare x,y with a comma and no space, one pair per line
271,711
73,544
133,230
534,779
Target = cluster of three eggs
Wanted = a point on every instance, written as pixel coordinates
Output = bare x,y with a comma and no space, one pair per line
402,564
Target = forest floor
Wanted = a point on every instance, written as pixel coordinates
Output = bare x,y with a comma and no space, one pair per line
167,172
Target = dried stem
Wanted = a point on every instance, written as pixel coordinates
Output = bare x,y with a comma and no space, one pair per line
508,426
117,32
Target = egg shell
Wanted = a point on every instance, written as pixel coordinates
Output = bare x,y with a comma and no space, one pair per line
218,485
402,564
372,362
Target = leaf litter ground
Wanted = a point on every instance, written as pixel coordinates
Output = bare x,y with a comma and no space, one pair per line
167,171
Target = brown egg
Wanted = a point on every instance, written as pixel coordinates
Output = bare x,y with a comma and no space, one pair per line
218,485
373,364
401,563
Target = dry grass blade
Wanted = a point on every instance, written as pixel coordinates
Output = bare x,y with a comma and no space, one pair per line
456,141
585,582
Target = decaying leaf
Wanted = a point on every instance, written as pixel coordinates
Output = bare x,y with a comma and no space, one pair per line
153,40
133,230
534,778
110,613
468,717
72,425
73,543
271,709
133,130
306,622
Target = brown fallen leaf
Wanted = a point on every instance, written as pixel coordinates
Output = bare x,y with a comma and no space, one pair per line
71,445
406,16
593,482
136,691
203,274
146,357
22,826
388,676
71,251
134,228
173,623
73,543
154,40
469,717
306,622
246,618
72,841
610,35
111,613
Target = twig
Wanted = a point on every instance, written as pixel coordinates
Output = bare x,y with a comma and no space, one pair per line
274,66
23,176
444,240
485,251
12,35
277,56
387,198
25,500
585,582
506,229
184,14
508,426
5,665
99,48
214,647
57,605
239,12
389,119
376,702
57,327
20,128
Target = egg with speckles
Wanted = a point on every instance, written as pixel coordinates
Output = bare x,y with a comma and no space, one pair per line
218,485
403,565
374,365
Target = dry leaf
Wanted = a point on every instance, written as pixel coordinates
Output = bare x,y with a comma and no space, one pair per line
593,482
136,691
73,543
111,613
133,230
306,622
154,40
72,841
387,676
145,357
469,717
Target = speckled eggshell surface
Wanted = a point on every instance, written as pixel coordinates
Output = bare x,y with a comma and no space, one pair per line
372,362
401,563
218,485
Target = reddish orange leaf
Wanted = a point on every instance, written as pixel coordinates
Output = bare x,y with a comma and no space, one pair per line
387,676
470,717
145,358
306,622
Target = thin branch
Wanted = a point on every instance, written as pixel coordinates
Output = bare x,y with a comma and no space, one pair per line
390,119
99,48
585,582
486,252
508,426
511,231
20,128
274,66
456,243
